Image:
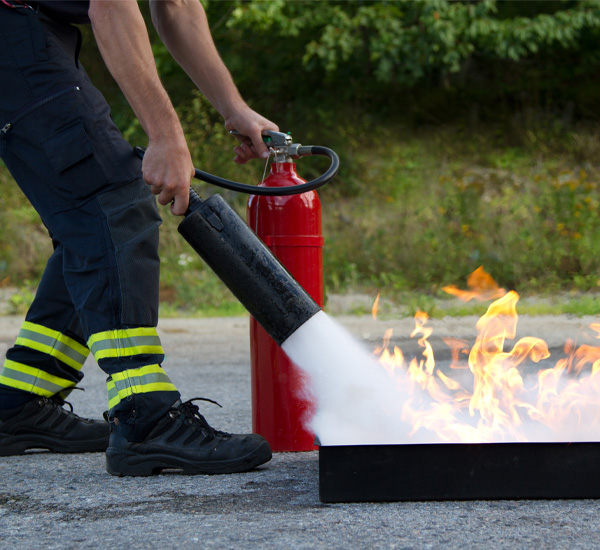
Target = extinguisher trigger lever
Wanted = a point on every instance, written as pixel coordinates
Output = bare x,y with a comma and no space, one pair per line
272,138
277,139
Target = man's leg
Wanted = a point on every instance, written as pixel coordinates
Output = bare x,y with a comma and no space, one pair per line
83,179
40,370
50,349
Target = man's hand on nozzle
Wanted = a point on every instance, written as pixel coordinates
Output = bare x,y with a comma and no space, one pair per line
168,170
250,126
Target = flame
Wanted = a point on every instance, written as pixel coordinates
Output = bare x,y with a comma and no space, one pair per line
375,309
482,285
497,402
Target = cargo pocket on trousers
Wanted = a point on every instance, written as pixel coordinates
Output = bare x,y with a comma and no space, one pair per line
71,153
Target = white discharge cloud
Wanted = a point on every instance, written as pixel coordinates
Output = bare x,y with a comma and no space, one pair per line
359,403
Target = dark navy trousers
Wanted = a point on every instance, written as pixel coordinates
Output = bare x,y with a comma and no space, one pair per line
99,292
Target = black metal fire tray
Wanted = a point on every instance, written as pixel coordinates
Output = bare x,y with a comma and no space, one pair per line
459,471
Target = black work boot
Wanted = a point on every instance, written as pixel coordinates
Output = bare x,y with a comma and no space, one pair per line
183,440
42,423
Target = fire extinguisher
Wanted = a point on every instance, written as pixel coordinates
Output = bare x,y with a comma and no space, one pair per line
291,227
279,279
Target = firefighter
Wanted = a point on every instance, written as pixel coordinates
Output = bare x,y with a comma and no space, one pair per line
99,291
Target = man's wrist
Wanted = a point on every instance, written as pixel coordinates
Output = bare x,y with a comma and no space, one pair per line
233,108
163,125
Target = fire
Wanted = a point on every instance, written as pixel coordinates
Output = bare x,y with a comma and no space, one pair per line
496,401
482,285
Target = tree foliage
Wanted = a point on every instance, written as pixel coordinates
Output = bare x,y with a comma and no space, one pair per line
403,41
430,55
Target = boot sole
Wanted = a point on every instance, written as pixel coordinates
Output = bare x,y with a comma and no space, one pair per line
19,444
123,463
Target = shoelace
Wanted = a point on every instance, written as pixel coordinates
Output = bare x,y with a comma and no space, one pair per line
60,402
192,412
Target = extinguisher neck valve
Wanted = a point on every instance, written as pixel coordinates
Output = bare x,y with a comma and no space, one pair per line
291,152
282,155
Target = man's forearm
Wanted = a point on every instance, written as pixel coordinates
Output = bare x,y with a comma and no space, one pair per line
183,28
122,38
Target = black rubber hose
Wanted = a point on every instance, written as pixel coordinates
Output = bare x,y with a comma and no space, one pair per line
307,150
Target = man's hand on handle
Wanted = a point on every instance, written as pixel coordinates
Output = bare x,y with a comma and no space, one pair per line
168,169
250,126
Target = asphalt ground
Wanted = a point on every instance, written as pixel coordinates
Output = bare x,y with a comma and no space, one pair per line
69,501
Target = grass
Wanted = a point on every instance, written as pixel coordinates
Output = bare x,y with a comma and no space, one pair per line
224,309
431,209
407,304
534,306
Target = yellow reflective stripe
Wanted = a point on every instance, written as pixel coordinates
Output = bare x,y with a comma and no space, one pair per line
125,343
120,334
112,403
137,373
25,386
50,350
53,343
30,379
128,352
119,395
113,394
73,344
146,379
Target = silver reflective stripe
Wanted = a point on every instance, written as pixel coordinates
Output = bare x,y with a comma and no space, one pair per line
144,380
53,343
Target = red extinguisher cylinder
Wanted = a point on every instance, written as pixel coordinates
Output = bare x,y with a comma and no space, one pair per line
291,227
